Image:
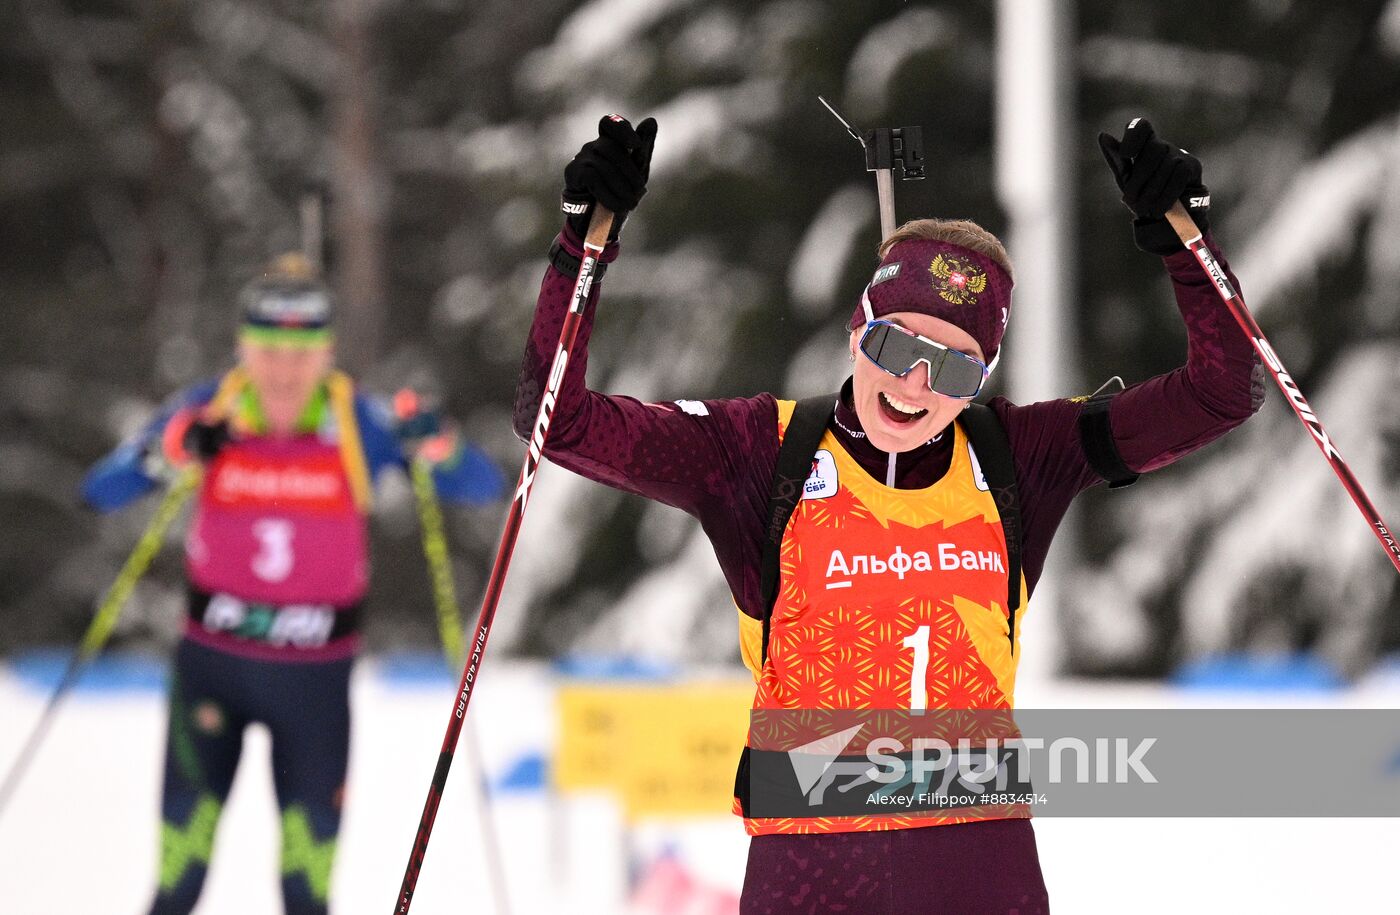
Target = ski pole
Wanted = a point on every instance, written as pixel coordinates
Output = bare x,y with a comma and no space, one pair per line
103,621
419,422
450,633
439,568
1191,237
594,241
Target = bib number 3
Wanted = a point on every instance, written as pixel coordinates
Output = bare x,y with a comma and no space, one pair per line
274,560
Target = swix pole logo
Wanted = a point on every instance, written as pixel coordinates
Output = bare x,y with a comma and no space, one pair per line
1300,403
542,418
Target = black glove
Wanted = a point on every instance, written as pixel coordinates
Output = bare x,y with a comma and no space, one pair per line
204,440
1152,176
611,170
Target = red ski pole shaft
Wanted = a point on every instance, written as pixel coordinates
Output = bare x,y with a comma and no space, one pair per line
1191,237
593,244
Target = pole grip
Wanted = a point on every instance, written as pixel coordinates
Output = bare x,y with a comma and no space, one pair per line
599,227
1184,225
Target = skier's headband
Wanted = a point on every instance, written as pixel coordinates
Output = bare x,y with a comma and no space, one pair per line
948,281
297,337
286,312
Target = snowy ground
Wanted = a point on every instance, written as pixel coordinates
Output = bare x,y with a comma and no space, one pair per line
80,837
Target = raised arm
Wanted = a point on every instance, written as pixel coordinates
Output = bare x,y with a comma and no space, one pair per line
141,462
1220,386
695,455
463,474
1156,421
1222,383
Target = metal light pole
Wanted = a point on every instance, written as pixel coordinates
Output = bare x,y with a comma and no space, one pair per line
1033,108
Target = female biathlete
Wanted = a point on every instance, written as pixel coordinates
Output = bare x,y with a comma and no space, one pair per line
893,476
277,563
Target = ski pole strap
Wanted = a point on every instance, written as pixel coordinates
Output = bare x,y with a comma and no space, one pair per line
993,449
568,265
439,564
804,432
138,562
1096,437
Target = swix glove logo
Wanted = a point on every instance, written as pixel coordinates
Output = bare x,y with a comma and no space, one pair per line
821,482
542,418
1199,202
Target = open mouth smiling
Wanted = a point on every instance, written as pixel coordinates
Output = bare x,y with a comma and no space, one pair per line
898,411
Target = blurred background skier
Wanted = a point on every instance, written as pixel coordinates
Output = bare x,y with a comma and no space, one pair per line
894,471
277,564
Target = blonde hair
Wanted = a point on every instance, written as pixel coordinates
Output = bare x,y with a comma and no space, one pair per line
962,232
291,267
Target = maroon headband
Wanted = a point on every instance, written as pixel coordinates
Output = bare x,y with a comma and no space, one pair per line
946,281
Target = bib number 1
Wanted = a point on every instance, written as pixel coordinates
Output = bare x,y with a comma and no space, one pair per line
918,679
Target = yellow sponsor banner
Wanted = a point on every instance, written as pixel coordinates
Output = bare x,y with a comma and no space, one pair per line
665,750
589,732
